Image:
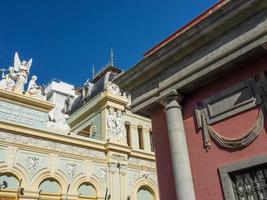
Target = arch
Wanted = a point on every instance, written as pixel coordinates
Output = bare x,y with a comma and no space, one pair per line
59,177
145,183
18,172
87,189
145,193
50,185
11,180
93,180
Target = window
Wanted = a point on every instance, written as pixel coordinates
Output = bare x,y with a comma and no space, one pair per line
9,181
151,141
145,193
50,185
87,190
90,131
140,137
250,183
128,133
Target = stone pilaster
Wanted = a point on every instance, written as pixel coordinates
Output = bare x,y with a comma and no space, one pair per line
113,181
123,181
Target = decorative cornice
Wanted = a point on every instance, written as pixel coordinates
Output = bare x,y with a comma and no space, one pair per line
98,102
26,101
200,55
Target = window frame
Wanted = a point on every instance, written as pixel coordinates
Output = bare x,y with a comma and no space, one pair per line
225,171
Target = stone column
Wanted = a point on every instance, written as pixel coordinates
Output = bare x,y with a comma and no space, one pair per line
179,153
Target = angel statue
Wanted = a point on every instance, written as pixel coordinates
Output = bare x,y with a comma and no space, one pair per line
22,69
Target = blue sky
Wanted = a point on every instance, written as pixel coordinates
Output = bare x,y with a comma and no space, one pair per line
66,37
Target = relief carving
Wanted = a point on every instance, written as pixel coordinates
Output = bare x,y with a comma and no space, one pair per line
19,139
239,98
115,125
32,164
71,169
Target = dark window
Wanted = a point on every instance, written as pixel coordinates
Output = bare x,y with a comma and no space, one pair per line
151,141
250,184
140,138
128,133
85,132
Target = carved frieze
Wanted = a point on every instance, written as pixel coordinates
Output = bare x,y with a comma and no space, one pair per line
20,115
55,146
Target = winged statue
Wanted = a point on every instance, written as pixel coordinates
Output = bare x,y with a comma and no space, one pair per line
22,69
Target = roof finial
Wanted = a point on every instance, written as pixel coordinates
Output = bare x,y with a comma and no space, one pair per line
93,71
111,57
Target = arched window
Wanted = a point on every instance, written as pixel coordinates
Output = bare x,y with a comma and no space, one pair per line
145,193
87,190
8,180
50,185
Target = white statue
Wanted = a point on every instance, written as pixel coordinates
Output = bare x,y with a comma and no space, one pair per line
8,80
34,89
23,69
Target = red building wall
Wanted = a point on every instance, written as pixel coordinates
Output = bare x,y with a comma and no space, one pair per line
205,164
163,155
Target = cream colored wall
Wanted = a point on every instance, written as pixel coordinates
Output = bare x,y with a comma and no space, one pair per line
105,164
136,121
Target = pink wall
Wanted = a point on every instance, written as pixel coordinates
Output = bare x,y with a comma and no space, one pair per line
163,155
205,164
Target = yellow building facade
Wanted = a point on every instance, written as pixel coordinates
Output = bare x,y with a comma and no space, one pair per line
69,146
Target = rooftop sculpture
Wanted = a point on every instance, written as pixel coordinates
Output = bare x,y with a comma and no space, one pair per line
17,77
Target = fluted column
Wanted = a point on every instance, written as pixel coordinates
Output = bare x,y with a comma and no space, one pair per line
178,147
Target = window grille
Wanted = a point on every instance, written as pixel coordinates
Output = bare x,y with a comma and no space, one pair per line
250,183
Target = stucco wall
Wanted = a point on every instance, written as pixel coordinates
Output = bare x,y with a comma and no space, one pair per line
205,164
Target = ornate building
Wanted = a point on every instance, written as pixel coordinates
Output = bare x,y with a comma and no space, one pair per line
67,143
205,89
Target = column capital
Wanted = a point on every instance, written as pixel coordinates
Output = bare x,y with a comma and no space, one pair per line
172,99
113,168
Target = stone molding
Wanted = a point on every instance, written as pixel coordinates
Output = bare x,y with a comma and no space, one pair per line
232,101
50,145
